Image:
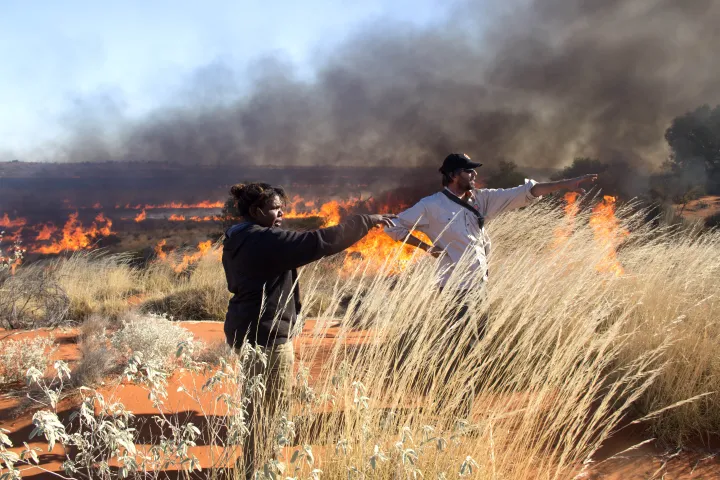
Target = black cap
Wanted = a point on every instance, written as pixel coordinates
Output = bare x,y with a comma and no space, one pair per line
457,161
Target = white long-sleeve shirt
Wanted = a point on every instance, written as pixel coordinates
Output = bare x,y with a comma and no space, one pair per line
454,228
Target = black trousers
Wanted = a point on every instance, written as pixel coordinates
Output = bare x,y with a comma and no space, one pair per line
459,316
455,346
461,347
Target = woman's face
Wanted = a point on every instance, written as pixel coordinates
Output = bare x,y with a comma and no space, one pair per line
270,215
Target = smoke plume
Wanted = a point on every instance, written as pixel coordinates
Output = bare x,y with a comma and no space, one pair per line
539,83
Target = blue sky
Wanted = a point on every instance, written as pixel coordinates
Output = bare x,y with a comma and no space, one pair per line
54,54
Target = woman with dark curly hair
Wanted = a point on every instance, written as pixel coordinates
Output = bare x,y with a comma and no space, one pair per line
260,261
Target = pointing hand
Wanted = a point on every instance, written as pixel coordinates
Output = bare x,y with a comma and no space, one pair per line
384,220
574,184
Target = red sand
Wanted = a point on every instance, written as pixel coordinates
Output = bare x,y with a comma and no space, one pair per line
700,209
645,462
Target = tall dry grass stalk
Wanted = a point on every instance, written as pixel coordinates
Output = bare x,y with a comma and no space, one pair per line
570,353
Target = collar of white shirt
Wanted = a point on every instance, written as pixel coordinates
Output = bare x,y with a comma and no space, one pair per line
469,199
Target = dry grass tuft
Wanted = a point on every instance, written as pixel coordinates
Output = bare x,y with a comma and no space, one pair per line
19,356
32,298
154,337
189,303
98,357
214,353
199,293
96,283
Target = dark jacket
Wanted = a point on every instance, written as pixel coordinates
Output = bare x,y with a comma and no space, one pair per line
260,266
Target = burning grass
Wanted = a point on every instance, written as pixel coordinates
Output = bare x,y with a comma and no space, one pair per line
82,232
76,237
573,350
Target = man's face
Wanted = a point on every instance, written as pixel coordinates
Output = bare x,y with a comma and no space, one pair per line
271,214
465,179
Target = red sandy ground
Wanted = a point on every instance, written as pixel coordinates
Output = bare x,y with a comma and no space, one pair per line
700,209
648,461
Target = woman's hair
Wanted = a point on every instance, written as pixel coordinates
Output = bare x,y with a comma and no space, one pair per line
248,195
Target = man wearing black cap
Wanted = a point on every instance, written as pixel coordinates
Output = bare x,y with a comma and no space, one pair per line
454,218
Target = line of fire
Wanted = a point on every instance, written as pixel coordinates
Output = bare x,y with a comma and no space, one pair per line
190,229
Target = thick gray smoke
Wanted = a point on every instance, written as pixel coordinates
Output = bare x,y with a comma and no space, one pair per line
542,83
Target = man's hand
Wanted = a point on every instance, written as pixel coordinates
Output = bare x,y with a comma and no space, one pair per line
384,220
574,184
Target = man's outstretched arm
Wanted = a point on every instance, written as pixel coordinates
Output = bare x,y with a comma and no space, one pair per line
413,218
571,184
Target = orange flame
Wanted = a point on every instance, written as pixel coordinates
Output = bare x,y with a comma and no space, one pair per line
571,210
12,236
377,249
204,248
608,233
292,206
16,251
140,216
374,249
105,231
181,218
46,232
606,229
6,222
292,210
75,237
13,263
159,250
97,206
330,211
